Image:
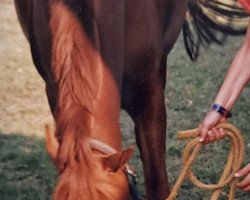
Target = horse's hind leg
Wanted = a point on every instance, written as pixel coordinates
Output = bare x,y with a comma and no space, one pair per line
149,115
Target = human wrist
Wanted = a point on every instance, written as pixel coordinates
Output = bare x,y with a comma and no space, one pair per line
221,110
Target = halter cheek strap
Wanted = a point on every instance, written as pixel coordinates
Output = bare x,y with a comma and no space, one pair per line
132,179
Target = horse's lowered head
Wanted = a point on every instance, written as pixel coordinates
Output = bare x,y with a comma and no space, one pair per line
98,174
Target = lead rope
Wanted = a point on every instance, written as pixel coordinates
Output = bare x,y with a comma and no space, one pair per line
233,164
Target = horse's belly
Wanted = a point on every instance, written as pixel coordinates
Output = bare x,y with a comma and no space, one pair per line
143,26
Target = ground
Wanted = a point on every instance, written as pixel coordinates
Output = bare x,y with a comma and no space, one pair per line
23,104
25,169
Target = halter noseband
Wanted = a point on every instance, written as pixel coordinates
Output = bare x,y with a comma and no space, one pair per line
130,174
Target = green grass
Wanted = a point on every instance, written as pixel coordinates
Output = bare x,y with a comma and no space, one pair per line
25,169
26,172
190,91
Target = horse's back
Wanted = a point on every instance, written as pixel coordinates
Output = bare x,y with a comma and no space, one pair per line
120,30
153,25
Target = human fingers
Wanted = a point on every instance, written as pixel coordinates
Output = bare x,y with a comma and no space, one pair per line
222,133
216,134
203,133
244,184
213,135
206,141
209,138
211,119
246,189
243,172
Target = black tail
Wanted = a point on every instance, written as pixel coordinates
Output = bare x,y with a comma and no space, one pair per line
209,21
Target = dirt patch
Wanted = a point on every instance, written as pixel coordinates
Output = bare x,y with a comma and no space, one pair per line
23,104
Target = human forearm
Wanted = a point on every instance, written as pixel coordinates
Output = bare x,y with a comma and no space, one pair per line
237,77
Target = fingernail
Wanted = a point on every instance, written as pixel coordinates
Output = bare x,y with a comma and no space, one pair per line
201,140
221,130
237,175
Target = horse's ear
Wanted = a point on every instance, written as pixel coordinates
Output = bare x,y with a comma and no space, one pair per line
52,144
118,159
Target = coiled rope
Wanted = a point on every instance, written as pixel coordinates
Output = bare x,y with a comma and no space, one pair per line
233,164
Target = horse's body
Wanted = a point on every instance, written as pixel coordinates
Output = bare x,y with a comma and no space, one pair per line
96,57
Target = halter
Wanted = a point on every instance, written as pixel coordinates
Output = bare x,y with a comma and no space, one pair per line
130,174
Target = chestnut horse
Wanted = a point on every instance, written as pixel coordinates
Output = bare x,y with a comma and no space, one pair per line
97,56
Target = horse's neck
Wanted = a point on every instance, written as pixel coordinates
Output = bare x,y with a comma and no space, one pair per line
106,112
99,121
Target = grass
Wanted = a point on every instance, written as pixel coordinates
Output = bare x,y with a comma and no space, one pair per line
190,91
25,169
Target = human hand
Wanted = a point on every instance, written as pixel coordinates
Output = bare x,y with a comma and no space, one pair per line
245,183
208,131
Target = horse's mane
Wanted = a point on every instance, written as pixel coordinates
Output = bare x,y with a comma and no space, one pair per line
77,74
77,71
76,63
208,21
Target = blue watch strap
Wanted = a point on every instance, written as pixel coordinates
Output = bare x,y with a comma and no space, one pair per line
224,112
